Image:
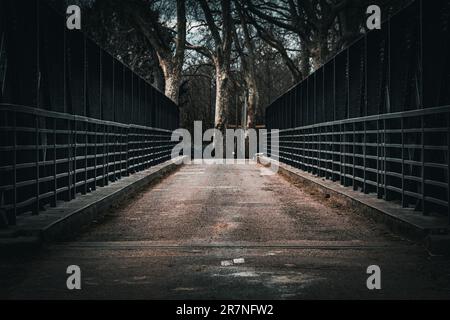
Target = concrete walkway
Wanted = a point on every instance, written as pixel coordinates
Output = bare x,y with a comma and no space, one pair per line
179,240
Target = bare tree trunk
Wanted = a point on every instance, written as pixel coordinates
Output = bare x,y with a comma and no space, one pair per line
252,101
172,88
158,78
248,63
221,57
249,70
320,52
304,65
171,61
172,78
223,96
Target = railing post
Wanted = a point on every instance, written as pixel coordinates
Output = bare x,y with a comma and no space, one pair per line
124,165
333,147
69,160
55,184
106,155
86,140
378,159
116,137
355,184
75,136
424,207
365,188
319,139
141,149
36,206
404,200
128,148
13,216
448,166
342,158
95,131
386,197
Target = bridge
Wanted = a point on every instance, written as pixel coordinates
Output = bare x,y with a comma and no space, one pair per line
87,179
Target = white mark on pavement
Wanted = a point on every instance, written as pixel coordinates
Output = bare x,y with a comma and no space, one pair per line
245,274
226,263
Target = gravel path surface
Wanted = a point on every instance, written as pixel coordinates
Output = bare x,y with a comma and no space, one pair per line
178,239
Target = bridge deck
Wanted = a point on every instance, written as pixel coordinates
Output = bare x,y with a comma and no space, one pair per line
176,239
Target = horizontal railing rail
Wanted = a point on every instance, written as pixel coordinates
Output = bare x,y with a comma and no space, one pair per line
401,157
369,117
48,156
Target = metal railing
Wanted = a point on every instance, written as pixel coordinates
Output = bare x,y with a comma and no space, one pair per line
370,116
400,157
72,117
49,157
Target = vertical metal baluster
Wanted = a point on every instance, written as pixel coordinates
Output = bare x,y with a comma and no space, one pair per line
331,147
378,160
36,208
135,145
335,143
448,167
123,166
141,149
106,155
111,153
355,184
365,188
119,153
55,179
424,207
151,147
310,149
302,132
12,218
86,150
69,160
119,147
319,138
342,158
122,150
131,149
366,113
329,130
404,201
386,196
95,131
112,136
138,147
128,148
75,137
116,151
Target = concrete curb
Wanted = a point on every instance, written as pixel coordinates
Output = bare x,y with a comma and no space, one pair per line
406,222
70,219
